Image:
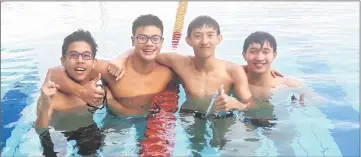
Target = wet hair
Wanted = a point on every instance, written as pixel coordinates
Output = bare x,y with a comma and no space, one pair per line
202,20
260,37
147,20
79,35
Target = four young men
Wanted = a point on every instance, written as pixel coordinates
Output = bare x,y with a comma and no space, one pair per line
136,77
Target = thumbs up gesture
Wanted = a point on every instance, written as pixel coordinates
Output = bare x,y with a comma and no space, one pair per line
90,93
222,102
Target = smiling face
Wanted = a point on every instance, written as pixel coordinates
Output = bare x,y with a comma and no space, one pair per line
259,57
204,41
79,61
147,42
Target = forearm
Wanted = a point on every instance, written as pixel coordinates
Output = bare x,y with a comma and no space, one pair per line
119,109
66,84
240,105
125,55
42,119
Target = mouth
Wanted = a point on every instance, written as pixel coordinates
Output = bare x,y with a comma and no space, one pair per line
259,65
205,47
148,51
79,70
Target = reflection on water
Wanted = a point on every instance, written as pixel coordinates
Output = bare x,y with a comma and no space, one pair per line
311,37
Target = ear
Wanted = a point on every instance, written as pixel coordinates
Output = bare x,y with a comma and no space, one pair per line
220,38
244,55
62,60
132,38
188,41
95,61
274,55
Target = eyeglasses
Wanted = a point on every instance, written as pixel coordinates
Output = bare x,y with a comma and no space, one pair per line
75,55
155,107
92,108
142,39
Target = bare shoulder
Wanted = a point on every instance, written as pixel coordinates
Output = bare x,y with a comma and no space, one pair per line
234,69
163,70
291,82
187,60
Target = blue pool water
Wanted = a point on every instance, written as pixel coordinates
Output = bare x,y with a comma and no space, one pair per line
318,44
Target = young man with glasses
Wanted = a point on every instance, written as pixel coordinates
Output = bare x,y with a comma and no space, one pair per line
68,113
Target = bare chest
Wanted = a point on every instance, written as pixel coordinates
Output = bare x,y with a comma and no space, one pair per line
202,85
133,84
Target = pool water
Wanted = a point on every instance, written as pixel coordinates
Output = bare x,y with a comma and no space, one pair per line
317,43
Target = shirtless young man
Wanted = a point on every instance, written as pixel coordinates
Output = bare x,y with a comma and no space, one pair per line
68,113
259,51
144,78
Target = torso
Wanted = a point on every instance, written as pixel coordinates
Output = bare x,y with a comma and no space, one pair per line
261,95
135,90
69,113
199,87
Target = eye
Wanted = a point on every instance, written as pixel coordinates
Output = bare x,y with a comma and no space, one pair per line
142,38
265,51
87,55
73,54
155,38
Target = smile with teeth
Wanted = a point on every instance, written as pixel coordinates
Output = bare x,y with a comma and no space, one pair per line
148,52
79,69
259,64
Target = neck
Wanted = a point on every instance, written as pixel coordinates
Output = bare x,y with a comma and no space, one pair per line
205,64
141,66
260,79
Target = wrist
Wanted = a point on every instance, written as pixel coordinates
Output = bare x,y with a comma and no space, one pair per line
79,92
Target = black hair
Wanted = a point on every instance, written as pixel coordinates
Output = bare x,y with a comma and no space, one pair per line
202,20
147,20
79,35
260,37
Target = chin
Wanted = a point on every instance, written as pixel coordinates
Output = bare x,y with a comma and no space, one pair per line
148,58
78,78
257,71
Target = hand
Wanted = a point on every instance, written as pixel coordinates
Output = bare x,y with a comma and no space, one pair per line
116,69
90,93
48,90
302,99
223,101
276,73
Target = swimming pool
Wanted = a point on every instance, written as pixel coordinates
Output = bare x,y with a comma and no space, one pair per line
314,38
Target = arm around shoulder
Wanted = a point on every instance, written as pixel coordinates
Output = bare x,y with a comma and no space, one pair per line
170,59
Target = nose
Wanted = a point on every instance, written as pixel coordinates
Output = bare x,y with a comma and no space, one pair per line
149,42
259,57
80,59
204,40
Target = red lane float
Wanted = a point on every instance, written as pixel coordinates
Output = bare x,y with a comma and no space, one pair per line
159,136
